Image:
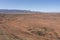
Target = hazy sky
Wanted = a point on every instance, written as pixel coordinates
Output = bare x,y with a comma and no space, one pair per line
34,5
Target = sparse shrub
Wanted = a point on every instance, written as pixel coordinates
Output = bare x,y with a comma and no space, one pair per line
40,33
14,37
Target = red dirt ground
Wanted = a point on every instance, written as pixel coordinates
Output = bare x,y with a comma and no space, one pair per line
29,26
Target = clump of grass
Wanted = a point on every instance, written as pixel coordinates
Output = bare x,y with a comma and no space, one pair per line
44,32
14,37
40,33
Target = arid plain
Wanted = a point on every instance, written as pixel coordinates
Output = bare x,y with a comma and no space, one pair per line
42,26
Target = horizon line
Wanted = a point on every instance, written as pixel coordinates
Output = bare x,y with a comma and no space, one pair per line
33,10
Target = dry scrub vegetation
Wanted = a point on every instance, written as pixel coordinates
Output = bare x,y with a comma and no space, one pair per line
29,26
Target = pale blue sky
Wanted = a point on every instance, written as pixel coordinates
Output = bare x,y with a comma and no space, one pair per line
34,5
